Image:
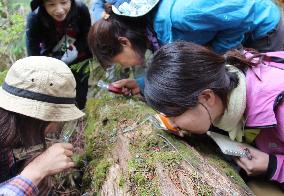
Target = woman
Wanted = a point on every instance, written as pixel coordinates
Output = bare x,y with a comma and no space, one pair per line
59,28
198,88
220,25
37,90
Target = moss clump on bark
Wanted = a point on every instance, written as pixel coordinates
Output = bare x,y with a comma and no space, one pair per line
126,155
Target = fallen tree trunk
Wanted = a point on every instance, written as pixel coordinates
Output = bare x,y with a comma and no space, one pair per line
127,156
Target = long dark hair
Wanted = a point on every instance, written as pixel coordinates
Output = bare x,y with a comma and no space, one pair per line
103,38
17,130
180,71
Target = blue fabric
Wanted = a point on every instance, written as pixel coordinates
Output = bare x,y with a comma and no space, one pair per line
141,83
220,24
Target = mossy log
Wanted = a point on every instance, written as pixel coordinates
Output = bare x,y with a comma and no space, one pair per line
126,155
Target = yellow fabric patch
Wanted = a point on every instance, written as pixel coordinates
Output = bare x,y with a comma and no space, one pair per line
250,135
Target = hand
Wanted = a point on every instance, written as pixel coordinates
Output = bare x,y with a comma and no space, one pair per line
258,163
129,86
55,159
70,55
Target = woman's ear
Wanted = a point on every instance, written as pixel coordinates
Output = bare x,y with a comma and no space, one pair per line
207,97
124,41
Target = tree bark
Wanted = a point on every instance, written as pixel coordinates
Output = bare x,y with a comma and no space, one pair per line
127,156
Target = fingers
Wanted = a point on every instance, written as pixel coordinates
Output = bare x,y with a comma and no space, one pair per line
70,165
126,92
126,83
129,86
254,152
66,146
245,161
243,165
120,83
135,91
68,153
238,161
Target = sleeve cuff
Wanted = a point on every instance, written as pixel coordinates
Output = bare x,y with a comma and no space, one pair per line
141,83
28,184
272,166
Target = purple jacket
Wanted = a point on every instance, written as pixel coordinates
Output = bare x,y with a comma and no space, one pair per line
265,111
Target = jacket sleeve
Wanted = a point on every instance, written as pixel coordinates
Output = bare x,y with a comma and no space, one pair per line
84,27
277,173
18,185
32,35
97,9
276,168
219,24
228,39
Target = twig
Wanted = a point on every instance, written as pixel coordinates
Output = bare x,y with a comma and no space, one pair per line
185,159
135,126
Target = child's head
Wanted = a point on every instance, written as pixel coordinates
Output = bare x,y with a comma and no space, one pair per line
190,83
118,40
58,10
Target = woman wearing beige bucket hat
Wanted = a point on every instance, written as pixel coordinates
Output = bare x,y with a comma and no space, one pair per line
37,90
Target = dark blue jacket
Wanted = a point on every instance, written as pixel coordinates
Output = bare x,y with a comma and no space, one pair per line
43,33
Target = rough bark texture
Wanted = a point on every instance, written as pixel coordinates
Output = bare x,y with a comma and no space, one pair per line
127,156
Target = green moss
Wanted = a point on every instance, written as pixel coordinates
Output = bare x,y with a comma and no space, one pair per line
146,155
139,179
144,185
227,169
184,150
2,76
215,157
122,182
103,117
78,160
204,190
100,173
106,116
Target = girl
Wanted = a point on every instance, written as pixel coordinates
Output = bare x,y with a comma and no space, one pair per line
37,91
198,88
219,25
58,28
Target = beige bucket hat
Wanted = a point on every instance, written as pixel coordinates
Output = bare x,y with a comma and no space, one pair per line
40,87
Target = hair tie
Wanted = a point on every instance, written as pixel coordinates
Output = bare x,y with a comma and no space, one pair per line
105,15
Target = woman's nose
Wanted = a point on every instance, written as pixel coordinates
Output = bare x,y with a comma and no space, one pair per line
172,122
59,9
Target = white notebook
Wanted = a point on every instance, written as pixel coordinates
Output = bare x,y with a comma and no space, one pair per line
228,146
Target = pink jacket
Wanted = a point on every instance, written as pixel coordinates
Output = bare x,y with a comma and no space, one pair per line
265,110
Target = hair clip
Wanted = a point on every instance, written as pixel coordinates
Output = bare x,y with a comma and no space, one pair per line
105,15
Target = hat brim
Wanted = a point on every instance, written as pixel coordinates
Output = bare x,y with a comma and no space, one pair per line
38,109
117,12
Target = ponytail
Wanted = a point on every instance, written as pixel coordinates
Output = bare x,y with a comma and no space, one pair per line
236,58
